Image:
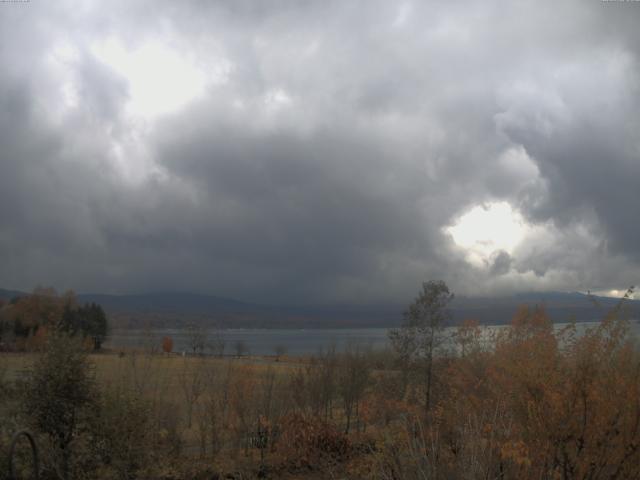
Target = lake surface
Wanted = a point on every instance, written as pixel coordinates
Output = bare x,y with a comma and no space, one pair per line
258,341
294,341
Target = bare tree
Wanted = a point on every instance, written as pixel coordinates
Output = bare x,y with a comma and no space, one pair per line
314,387
149,341
216,342
468,337
326,380
353,379
213,411
3,373
241,348
192,384
279,350
422,332
197,339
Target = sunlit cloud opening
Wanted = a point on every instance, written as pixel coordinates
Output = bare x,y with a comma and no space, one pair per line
487,229
63,59
160,79
277,99
614,293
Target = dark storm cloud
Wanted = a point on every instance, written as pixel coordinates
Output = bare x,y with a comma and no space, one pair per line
591,161
501,263
333,143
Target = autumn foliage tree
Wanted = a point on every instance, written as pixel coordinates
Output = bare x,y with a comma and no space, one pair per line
539,402
167,344
44,310
468,337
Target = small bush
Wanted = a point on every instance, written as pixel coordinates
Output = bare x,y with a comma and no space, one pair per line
123,434
308,442
58,397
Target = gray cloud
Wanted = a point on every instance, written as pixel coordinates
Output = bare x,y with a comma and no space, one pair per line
325,160
501,263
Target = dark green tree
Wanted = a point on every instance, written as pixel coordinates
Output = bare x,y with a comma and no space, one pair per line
96,324
88,320
59,397
70,321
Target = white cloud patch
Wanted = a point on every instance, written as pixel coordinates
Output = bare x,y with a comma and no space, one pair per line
322,151
161,79
488,229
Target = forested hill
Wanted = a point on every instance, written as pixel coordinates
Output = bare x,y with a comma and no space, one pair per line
178,309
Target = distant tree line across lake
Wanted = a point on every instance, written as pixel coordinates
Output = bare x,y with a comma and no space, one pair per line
26,321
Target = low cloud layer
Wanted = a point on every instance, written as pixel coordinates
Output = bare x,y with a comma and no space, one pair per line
317,152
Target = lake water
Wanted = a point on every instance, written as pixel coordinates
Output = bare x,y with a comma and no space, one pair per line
258,341
267,341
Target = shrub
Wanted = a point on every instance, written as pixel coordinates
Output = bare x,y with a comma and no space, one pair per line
58,397
123,434
307,442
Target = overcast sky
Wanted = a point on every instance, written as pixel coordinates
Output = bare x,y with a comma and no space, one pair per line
329,151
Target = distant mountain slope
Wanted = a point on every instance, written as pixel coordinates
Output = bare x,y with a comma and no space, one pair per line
560,306
170,309
9,294
166,302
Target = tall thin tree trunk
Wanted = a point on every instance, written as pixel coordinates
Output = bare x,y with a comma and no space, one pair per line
427,404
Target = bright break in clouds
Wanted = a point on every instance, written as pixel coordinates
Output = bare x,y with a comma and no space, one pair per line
319,151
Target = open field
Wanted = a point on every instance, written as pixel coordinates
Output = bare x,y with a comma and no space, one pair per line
111,367
183,392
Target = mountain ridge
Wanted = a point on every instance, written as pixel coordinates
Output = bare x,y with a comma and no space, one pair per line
175,309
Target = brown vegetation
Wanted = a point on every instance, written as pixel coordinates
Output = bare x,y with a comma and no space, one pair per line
530,402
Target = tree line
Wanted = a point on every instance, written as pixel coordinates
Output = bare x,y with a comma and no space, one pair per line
26,321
